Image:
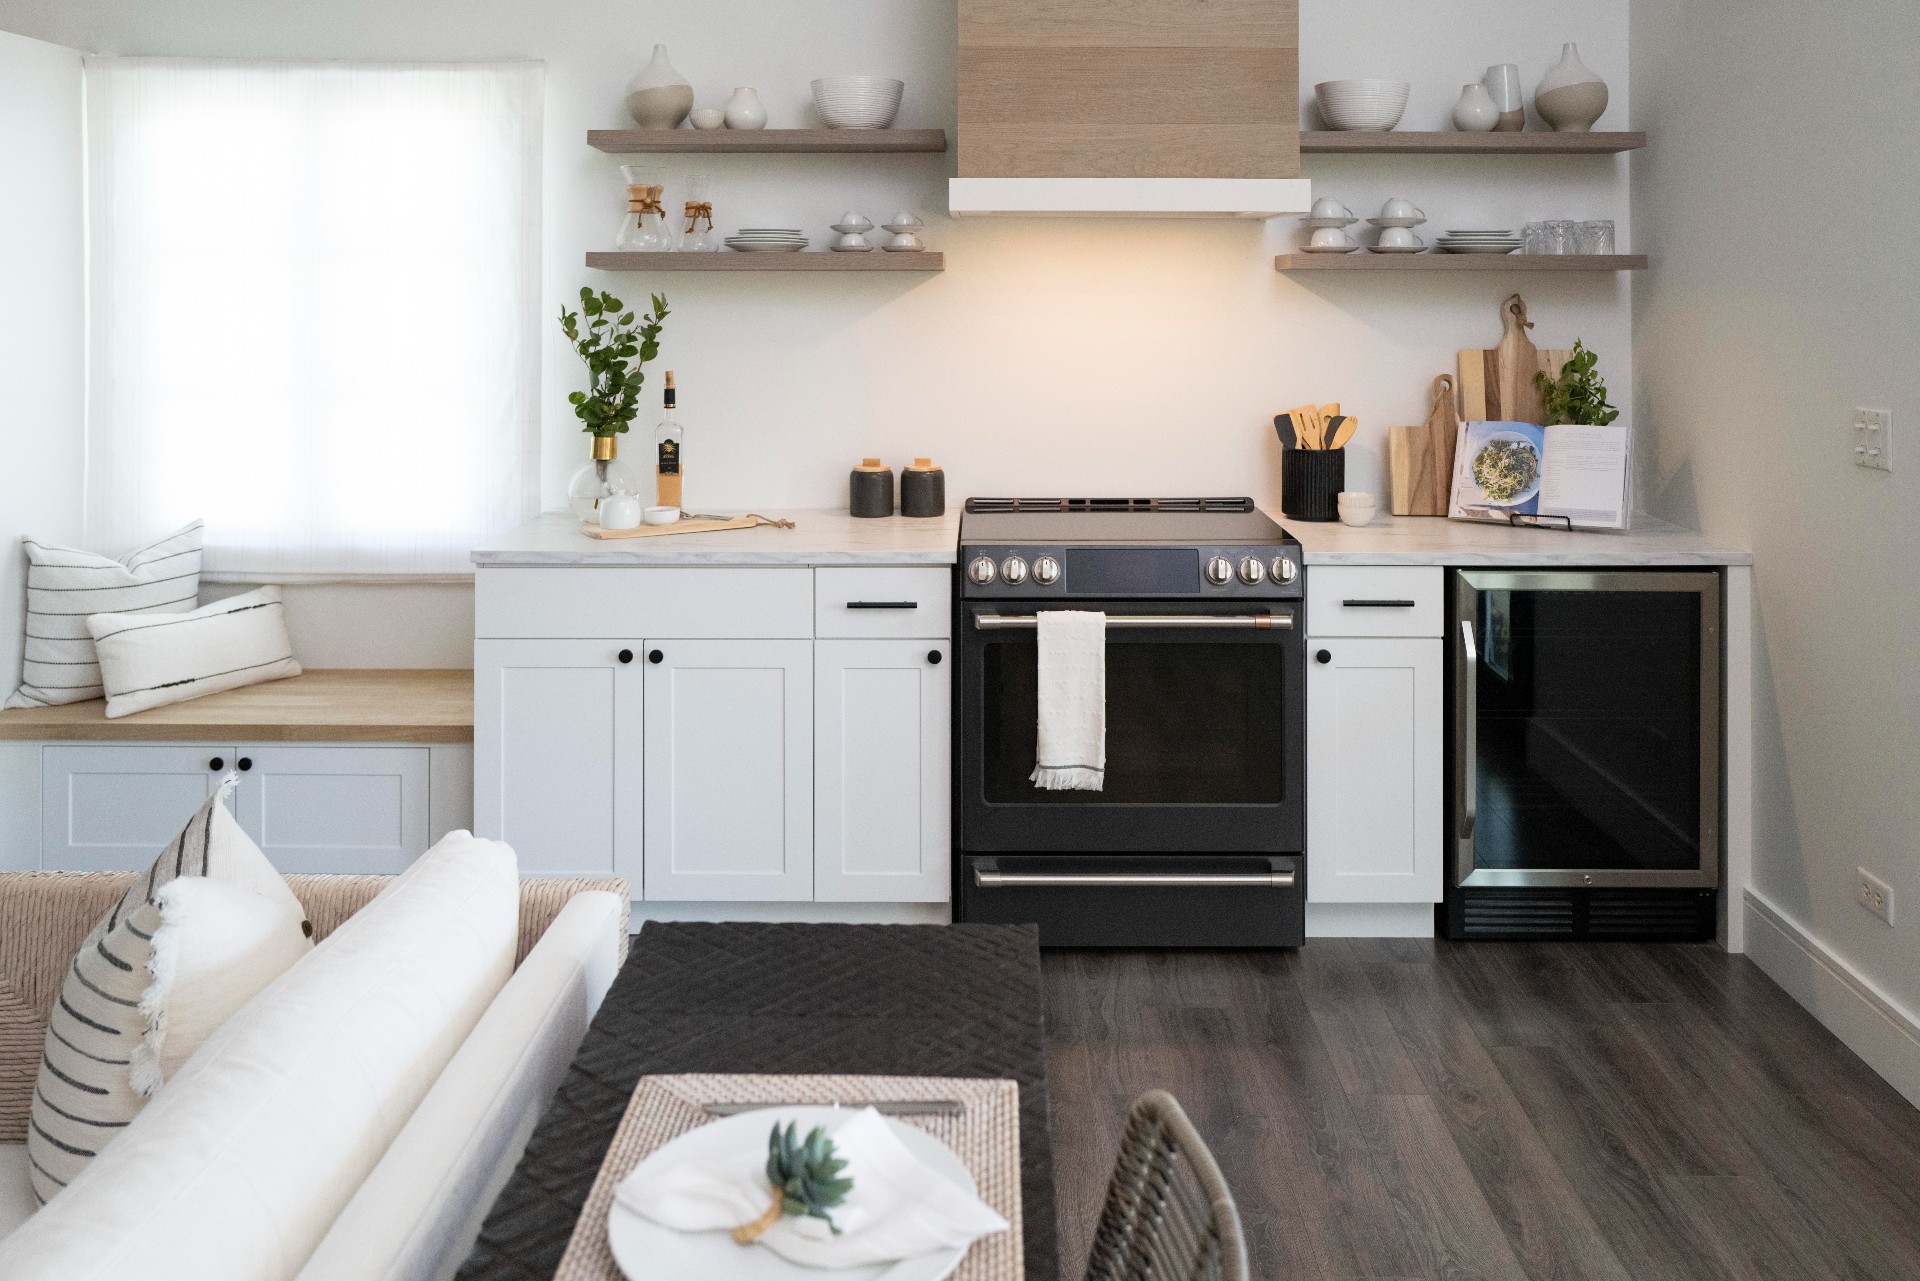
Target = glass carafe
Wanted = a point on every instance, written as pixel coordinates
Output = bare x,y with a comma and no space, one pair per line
644,229
699,235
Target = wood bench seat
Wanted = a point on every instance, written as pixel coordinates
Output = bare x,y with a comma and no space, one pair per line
342,705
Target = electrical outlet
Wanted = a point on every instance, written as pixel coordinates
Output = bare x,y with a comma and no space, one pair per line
1873,439
1874,894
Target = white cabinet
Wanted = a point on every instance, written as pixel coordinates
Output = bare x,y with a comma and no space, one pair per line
881,762
729,770
1374,770
114,807
557,759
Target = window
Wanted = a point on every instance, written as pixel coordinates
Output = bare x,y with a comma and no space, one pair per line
314,297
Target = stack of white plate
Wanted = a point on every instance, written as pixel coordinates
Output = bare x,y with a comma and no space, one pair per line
1362,104
768,240
857,102
1470,240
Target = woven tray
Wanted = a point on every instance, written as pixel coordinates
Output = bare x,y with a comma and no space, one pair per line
986,1135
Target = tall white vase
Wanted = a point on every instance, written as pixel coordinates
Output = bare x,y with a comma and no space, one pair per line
1475,112
1570,97
658,97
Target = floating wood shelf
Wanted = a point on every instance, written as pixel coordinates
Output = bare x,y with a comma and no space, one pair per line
816,260
1363,261
767,141
1453,143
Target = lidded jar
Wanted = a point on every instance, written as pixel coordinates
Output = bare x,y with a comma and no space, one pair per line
923,489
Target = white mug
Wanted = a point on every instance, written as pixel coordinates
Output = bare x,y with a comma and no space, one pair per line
1330,238
1328,207
1399,238
1400,207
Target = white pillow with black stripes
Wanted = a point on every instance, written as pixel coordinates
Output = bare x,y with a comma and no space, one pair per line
65,586
208,927
148,660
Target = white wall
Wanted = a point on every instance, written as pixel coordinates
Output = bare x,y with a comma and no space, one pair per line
1050,356
42,341
1780,184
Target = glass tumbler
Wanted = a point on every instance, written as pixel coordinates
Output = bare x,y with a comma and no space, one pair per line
1595,237
1533,239
1560,236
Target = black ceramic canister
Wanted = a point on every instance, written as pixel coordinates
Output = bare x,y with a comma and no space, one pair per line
870,489
923,489
1311,481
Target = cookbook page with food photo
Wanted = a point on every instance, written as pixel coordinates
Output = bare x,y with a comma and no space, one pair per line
1519,473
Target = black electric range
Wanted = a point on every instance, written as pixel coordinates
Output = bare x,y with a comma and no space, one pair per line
1196,837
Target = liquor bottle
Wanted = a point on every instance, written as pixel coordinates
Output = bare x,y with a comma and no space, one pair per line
668,438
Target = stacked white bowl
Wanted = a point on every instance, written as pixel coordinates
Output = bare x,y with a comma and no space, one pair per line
858,102
1362,104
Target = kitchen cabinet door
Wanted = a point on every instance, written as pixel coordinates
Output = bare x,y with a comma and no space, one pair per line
729,773
881,783
1374,726
557,754
113,808
334,809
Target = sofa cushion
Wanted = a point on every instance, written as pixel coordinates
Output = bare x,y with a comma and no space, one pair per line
16,1188
236,1168
65,585
148,661
157,973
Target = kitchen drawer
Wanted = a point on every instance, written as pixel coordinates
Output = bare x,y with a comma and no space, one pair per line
643,603
1376,600
882,602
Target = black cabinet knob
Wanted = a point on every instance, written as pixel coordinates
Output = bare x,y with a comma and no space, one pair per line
933,656
626,656
655,656
218,762
1324,656
245,763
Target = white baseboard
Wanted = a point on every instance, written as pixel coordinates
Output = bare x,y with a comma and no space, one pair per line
812,913
1369,920
1869,1022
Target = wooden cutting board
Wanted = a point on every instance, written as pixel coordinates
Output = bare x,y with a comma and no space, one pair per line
1420,459
1497,383
681,527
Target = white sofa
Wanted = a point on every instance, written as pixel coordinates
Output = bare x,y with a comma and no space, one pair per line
417,1213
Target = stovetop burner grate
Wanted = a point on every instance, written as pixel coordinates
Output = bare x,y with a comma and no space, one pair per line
1109,504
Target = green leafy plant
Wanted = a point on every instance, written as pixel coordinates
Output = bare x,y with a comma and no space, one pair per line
806,1180
616,345
1579,394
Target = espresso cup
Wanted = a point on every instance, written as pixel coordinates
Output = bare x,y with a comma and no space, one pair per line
1328,207
1330,238
1400,207
1398,238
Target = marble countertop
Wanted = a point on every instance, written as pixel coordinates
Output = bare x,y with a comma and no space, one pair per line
821,536
1434,540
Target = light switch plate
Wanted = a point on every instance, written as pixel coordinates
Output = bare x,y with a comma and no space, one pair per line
1873,439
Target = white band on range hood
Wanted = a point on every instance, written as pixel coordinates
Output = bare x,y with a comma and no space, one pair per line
1128,197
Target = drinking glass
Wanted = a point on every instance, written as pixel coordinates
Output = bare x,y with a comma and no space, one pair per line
1595,237
1534,238
1560,236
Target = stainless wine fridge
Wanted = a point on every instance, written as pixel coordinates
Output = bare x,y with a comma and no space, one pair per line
1586,754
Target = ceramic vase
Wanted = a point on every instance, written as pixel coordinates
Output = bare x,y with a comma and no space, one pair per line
1475,112
658,97
1570,97
744,110
1502,83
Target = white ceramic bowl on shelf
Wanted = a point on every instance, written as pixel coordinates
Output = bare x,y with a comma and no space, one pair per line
858,102
1362,104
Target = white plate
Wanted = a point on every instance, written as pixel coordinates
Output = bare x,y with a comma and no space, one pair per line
1317,223
1328,249
1396,222
647,1251
1479,249
750,248
1397,249
1469,231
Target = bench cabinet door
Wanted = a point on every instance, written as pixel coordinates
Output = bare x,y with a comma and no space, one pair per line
114,807
334,809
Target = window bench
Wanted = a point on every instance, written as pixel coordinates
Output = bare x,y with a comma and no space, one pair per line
340,771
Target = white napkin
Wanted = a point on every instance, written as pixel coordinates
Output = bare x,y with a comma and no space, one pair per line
897,1208
1072,753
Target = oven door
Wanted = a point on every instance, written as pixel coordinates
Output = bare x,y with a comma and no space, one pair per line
1205,732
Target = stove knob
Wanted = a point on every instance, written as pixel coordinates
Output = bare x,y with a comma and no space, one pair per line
1251,570
1046,571
1013,569
1284,570
981,571
1219,571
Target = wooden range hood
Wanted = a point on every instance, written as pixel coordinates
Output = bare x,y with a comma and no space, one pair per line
1129,108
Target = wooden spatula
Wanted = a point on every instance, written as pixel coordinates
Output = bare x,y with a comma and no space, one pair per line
1343,429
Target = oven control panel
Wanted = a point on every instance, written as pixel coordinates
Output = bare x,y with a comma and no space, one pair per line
1121,573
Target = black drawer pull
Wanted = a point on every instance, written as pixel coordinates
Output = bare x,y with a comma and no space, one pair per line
625,656
933,656
245,763
655,656
217,763
883,604
1378,604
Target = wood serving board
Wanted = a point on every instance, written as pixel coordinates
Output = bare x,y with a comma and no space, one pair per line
1496,383
679,527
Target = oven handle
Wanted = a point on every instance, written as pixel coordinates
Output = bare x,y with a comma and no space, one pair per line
1260,622
1152,880
1469,714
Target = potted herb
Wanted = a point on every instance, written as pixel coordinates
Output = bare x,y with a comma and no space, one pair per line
1578,395
615,344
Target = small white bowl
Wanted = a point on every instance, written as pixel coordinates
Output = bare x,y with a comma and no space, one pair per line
708,118
662,515
1356,507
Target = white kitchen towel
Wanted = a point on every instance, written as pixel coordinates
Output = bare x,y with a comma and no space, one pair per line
898,1207
1071,750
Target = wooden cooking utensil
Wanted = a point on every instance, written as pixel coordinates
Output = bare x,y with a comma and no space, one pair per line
1303,423
1343,429
1497,383
1420,459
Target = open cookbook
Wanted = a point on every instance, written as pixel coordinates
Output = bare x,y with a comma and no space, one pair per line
1570,476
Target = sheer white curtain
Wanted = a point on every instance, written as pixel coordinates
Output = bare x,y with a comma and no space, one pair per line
314,310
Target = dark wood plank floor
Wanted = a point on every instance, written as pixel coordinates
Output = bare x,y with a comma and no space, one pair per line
1397,1109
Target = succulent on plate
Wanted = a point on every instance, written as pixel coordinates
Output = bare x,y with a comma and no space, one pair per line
805,1175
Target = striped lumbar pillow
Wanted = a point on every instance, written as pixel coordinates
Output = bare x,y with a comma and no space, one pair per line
208,926
65,586
147,660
